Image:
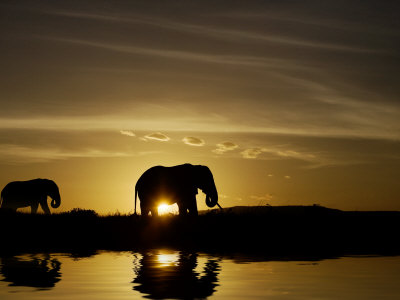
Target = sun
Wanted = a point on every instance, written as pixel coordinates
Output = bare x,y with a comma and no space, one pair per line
163,209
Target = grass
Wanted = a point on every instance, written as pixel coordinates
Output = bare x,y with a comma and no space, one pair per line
289,229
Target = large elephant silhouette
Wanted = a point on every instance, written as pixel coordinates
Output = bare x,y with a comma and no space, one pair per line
177,184
31,193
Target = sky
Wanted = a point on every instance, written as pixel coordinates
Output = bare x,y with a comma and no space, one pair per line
287,102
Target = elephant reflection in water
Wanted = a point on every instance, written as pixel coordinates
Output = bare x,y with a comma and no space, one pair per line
39,271
175,279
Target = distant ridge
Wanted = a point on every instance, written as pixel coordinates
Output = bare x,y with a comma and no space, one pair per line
287,209
291,210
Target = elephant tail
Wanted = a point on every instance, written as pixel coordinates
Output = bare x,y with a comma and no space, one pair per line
136,192
3,196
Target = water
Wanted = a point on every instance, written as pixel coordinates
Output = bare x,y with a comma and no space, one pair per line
166,274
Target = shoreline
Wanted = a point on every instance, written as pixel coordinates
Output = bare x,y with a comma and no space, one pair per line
267,230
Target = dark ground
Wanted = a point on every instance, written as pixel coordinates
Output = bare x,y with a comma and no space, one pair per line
291,230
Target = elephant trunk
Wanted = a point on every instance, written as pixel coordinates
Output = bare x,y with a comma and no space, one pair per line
55,202
212,199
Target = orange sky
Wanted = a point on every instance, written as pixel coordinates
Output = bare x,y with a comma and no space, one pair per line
286,102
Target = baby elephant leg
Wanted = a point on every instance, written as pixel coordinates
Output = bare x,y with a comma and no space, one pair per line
44,206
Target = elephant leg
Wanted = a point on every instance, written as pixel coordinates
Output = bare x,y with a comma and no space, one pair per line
144,210
182,209
11,209
193,207
34,207
45,206
154,212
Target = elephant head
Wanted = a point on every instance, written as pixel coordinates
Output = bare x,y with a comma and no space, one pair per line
53,192
205,182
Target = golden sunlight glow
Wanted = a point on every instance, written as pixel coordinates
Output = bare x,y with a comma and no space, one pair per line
163,209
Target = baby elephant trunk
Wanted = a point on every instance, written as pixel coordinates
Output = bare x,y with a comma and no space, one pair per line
55,202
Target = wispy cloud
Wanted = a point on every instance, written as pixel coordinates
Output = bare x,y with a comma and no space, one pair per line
226,59
251,153
157,136
127,132
193,141
293,154
280,152
266,197
224,147
368,125
11,153
219,33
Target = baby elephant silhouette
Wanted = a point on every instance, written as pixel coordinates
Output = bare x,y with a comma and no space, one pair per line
31,193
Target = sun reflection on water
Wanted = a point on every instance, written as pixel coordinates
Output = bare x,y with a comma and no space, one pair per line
167,259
